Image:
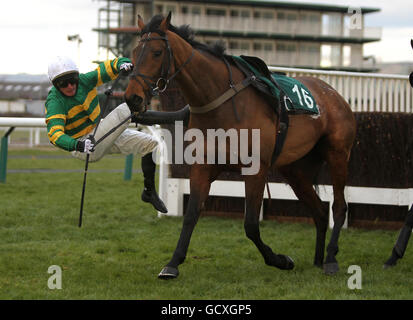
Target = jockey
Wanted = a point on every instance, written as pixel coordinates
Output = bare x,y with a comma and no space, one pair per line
73,110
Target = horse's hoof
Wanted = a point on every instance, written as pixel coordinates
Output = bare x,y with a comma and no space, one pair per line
388,266
390,263
330,268
168,273
287,263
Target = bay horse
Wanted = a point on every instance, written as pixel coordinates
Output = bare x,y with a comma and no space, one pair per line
165,52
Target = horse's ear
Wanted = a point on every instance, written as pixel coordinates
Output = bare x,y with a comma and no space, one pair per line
141,25
166,22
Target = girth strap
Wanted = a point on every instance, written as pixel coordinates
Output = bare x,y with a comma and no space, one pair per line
280,107
283,123
232,91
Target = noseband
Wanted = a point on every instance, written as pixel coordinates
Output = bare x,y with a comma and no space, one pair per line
157,85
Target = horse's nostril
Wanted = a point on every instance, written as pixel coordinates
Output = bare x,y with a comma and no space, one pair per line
137,100
133,102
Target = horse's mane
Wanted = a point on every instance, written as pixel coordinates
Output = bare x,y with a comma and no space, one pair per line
185,32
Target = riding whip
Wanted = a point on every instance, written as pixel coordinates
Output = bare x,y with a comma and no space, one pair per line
108,93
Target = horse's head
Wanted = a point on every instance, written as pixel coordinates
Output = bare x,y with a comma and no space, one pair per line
152,60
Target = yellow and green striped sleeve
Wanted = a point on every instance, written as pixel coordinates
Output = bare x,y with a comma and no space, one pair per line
106,71
55,122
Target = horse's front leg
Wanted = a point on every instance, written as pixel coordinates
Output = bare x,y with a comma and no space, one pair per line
254,188
200,183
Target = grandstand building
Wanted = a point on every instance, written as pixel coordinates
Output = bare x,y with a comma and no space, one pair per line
288,34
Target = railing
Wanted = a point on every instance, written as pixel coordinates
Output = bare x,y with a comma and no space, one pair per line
29,137
175,189
39,123
365,92
273,57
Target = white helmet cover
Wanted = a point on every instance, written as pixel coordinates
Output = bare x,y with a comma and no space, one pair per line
60,66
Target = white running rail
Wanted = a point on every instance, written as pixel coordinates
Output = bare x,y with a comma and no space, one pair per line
365,92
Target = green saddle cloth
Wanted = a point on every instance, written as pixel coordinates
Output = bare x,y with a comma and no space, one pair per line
298,98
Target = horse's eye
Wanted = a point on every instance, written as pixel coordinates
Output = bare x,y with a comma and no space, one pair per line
157,53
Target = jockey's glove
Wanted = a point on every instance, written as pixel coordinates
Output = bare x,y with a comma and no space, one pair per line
126,68
86,145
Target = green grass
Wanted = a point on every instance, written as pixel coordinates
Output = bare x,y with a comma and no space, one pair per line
123,245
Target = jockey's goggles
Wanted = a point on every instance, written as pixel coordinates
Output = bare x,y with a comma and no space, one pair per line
64,81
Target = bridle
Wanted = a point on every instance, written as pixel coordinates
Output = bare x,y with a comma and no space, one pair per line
159,84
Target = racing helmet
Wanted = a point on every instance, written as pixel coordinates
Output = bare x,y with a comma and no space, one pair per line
61,66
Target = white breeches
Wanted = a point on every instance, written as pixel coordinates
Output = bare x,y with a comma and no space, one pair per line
122,140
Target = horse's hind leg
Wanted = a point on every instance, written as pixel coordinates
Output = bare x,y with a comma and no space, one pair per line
300,176
254,188
337,162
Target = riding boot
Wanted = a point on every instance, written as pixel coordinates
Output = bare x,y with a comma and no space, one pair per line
402,241
149,193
